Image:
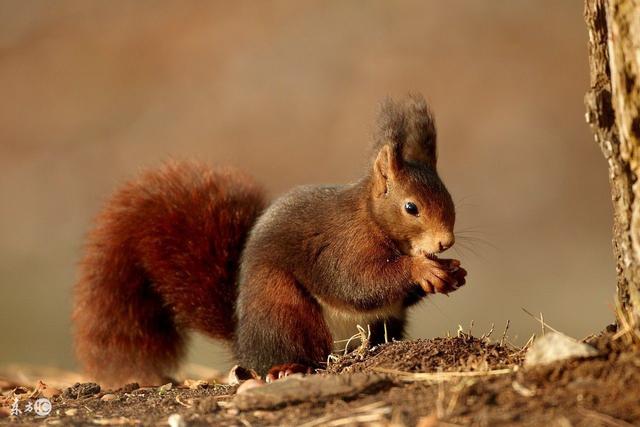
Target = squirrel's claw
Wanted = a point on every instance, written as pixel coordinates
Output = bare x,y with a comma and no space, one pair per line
282,371
442,276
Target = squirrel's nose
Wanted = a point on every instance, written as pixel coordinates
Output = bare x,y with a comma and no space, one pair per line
446,242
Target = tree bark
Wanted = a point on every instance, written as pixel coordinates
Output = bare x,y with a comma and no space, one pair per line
613,111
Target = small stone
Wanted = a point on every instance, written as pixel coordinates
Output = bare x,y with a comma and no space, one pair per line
176,420
71,412
553,347
165,388
108,397
79,390
522,390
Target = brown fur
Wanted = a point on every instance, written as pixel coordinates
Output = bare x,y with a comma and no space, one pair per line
408,126
162,258
172,251
349,249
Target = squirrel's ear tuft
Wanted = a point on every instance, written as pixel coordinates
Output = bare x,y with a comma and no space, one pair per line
385,169
390,124
420,143
410,125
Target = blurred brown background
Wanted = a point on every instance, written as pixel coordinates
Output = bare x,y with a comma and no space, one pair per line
94,91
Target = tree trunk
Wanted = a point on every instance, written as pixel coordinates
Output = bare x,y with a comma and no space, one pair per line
613,111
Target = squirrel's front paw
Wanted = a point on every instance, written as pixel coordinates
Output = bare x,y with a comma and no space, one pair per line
282,371
438,275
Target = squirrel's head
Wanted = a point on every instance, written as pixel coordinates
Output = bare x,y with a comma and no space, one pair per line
408,199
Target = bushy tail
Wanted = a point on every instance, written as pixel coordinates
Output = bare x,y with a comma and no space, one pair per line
162,258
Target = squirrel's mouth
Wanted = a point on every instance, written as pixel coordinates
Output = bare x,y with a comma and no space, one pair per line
407,248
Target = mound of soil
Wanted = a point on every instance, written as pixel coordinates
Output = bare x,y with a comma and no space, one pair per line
461,353
444,381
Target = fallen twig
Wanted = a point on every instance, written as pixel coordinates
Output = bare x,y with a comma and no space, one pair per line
545,325
443,376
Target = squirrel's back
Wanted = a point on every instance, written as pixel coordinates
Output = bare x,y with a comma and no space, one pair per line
304,221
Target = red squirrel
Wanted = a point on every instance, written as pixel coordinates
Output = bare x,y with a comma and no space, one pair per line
186,247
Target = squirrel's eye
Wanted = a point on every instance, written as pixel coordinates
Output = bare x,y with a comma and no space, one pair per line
411,208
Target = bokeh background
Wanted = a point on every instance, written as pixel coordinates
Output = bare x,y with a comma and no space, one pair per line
92,92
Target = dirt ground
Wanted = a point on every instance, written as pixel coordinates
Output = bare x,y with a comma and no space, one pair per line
461,380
